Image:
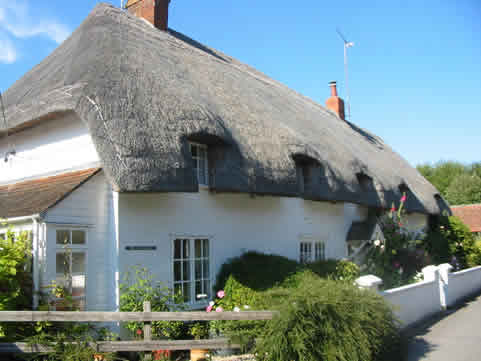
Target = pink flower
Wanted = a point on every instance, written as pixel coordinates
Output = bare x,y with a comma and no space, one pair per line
403,198
219,309
393,209
396,265
209,308
139,332
221,294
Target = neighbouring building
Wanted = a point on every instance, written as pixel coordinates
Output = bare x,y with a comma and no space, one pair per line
133,144
470,214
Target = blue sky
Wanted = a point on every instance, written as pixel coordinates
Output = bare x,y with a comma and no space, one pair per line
415,69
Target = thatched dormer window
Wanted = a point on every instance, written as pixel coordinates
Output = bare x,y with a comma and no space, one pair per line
404,189
307,170
201,165
365,181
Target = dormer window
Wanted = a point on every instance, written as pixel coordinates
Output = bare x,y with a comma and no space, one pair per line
307,169
364,181
404,189
199,156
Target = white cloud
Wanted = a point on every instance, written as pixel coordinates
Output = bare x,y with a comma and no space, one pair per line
8,54
16,19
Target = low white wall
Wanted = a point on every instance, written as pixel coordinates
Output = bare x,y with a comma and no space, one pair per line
462,284
415,302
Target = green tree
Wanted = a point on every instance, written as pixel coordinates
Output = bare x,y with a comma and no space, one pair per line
442,173
464,189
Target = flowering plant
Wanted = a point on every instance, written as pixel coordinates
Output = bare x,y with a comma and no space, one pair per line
397,254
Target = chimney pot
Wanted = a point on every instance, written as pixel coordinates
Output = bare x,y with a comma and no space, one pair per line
335,103
155,12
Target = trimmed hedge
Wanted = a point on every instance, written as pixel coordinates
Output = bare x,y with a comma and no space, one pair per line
257,271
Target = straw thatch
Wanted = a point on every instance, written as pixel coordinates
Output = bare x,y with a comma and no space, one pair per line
144,93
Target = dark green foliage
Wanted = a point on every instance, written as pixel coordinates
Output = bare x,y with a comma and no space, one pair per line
450,237
245,288
249,267
457,183
464,189
399,256
474,257
137,287
330,321
237,294
335,269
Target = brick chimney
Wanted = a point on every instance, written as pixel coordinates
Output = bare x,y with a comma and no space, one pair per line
155,12
335,103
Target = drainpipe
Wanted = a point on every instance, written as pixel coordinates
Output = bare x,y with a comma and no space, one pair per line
35,263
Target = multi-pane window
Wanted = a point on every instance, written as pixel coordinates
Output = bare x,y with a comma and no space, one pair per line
71,264
311,251
192,269
199,156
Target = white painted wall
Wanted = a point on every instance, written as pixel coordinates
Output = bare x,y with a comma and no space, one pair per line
463,284
91,205
51,146
235,223
416,222
415,302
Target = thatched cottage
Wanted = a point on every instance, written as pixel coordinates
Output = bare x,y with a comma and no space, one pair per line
134,144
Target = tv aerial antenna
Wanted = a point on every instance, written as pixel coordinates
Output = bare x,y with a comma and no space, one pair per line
347,44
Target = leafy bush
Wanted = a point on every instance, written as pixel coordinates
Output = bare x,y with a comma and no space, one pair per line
335,269
245,288
398,257
246,269
15,279
137,287
450,238
473,259
330,321
238,296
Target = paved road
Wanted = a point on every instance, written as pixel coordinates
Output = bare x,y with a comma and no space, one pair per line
454,337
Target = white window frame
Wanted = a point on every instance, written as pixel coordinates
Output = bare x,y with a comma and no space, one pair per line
196,160
74,248
311,249
194,301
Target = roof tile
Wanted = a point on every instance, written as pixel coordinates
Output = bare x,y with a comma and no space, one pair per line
470,215
37,195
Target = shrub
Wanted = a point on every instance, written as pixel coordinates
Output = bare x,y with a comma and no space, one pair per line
450,237
246,269
330,321
398,257
137,287
15,279
244,298
335,269
473,259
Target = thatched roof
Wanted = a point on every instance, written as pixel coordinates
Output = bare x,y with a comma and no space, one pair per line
144,93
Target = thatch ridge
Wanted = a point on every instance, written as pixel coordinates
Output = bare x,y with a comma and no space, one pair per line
143,93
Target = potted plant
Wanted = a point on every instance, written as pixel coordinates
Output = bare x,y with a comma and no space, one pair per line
199,330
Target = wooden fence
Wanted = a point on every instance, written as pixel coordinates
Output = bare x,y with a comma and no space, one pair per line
147,344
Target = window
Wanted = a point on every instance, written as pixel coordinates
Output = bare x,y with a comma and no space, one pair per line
365,181
71,264
192,269
199,156
311,251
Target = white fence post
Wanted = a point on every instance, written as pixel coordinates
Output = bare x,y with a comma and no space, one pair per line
369,281
444,270
429,273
